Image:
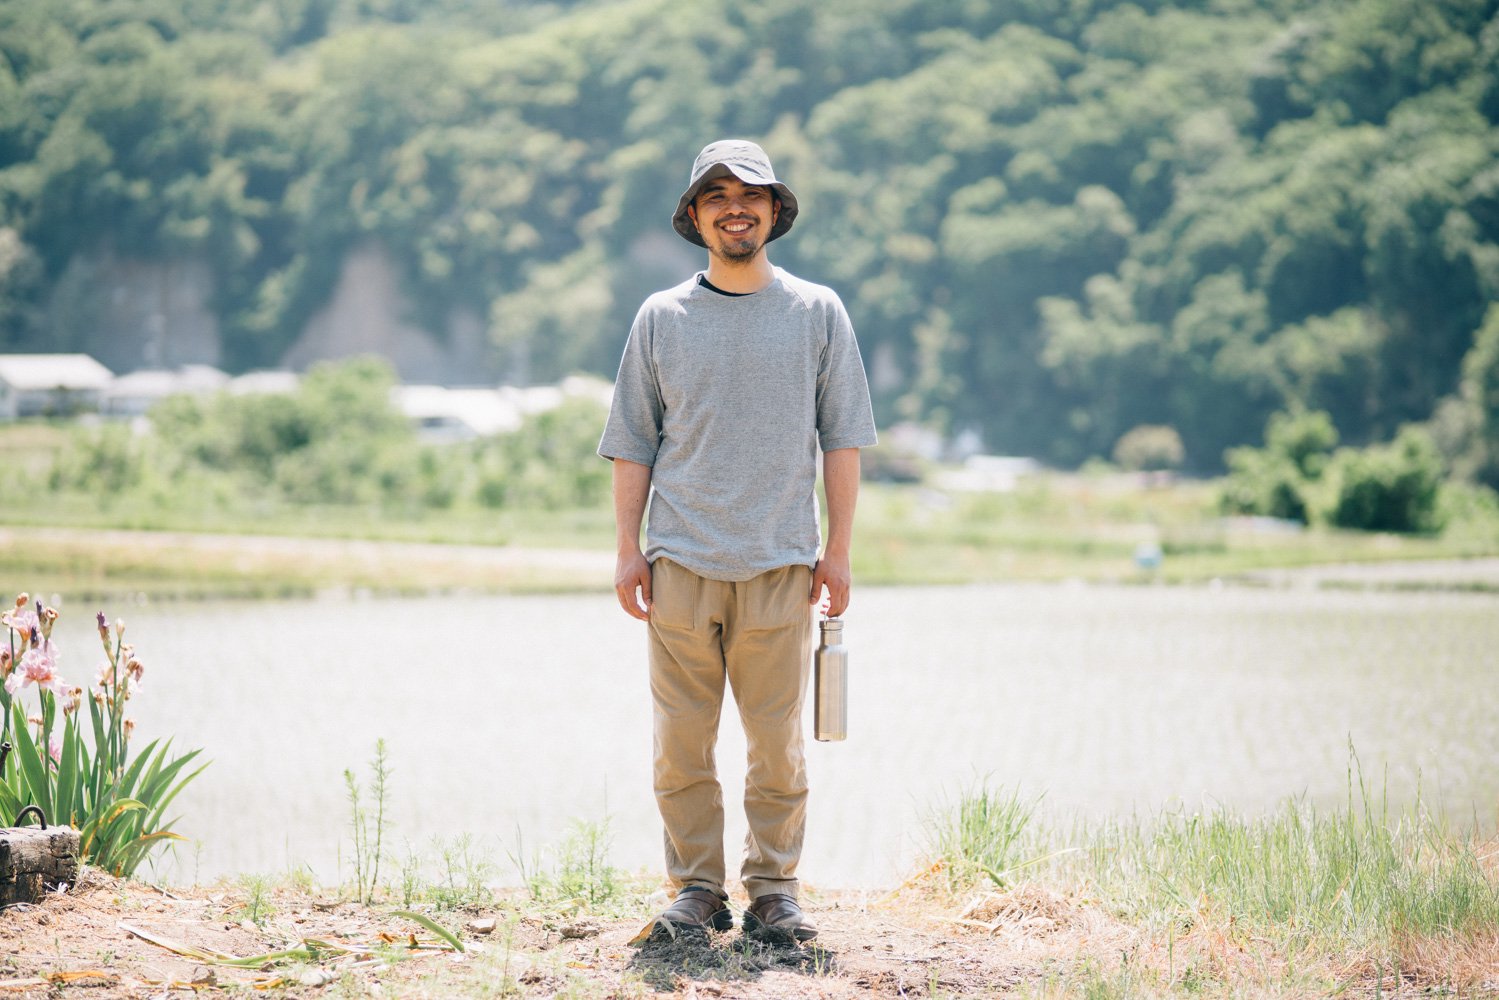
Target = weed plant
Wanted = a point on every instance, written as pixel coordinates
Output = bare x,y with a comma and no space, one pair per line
457,873
581,871
464,874
368,831
257,907
982,836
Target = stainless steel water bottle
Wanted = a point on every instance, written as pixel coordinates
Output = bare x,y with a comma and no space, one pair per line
830,681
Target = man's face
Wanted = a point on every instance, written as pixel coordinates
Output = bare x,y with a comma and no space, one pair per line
734,218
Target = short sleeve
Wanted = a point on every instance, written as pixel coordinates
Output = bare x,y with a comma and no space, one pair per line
633,431
845,417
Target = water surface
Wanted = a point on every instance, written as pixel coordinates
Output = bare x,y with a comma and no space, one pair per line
507,717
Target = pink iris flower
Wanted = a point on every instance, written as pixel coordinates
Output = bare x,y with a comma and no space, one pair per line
22,620
38,666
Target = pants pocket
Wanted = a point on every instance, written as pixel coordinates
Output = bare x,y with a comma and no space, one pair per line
674,595
777,599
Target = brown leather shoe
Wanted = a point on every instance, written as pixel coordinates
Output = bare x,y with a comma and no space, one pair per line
696,908
779,912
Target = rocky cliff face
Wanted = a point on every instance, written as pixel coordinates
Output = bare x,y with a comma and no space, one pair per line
132,314
368,314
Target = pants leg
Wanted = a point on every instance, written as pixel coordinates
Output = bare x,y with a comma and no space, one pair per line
758,635
687,684
767,652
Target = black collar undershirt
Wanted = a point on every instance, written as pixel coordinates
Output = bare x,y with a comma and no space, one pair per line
702,279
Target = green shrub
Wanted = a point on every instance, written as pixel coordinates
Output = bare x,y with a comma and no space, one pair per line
1262,482
1150,448
336,440
1394,487
551,461
1282,478
885,464
1465,425
103,461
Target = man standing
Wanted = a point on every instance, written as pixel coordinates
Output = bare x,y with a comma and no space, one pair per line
730,383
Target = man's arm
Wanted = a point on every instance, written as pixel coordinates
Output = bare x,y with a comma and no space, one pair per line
840,477
632,487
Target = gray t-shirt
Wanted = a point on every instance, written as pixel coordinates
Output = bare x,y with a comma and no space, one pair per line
728,398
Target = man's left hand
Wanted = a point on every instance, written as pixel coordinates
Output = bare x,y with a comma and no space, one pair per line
833,573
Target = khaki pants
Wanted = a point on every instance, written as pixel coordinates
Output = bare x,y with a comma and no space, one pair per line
758,635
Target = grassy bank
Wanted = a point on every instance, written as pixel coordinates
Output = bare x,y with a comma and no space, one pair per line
1053,527
1358,901
133,565
1091,527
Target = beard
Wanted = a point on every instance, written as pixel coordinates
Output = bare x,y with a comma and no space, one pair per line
736,250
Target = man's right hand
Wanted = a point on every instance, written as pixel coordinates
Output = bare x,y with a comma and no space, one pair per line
632,573
632,489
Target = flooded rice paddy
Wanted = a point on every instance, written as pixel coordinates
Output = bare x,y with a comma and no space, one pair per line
508,717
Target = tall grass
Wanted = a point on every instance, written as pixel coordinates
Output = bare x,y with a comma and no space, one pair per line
1363,876
981,836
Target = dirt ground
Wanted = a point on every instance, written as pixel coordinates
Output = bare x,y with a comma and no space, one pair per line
112,938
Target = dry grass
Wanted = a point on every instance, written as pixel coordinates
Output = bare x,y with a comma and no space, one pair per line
1040,922
1040,938
1359,901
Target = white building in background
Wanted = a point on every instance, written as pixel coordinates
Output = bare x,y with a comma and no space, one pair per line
133,394
988,474
266,382
64,384
443,415
37,385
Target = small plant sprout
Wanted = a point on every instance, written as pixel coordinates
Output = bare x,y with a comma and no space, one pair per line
369,832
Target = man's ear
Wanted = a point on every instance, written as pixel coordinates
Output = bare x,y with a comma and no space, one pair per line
692,214
775,208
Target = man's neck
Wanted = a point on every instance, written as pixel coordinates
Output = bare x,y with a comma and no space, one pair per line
740,279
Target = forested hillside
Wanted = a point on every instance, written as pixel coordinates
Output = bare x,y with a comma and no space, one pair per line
1052,220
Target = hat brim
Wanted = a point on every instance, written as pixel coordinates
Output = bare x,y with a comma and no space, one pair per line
682,222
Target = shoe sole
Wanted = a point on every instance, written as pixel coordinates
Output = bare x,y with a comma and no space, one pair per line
752,925
669,930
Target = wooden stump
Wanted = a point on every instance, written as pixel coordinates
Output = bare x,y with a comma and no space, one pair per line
33,861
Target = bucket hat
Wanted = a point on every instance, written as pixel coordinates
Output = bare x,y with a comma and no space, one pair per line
744,160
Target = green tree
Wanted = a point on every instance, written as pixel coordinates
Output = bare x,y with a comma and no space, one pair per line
1052,221
1466,425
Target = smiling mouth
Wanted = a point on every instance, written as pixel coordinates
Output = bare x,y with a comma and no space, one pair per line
737,227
